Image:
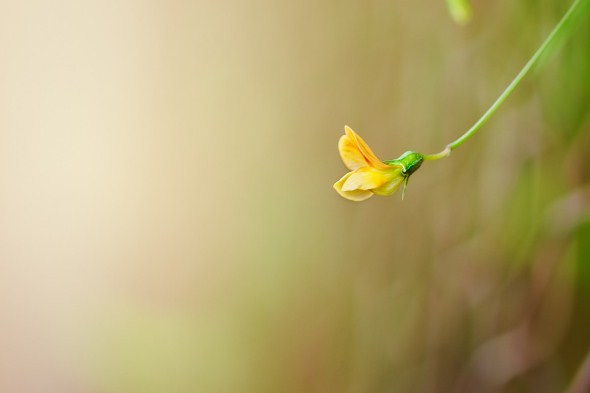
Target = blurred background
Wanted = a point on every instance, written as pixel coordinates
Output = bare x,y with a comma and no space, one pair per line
167,217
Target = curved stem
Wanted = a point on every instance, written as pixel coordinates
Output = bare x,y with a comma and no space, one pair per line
445,153
519,77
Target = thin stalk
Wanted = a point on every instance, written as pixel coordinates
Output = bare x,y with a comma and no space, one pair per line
515,82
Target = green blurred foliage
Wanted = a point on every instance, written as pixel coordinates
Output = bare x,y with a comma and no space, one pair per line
460,10
568,77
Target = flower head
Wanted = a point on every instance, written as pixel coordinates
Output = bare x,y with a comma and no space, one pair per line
369,175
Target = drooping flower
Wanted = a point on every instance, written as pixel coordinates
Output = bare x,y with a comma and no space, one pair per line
369,175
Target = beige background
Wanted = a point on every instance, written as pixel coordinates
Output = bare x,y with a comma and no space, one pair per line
167,222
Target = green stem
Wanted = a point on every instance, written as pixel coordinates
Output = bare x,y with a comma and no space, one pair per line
533,60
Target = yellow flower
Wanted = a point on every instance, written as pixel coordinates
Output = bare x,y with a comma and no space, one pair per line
369,175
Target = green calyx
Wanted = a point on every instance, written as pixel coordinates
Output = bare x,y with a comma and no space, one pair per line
410,161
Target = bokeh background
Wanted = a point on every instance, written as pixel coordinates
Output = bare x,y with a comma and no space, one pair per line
167,217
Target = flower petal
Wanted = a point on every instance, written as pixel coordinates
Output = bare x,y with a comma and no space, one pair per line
355,195
389,187
365,150
350,154
366,178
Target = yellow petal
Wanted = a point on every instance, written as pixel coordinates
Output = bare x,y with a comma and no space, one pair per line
390,187
365,178
365,150
355,195
350,154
